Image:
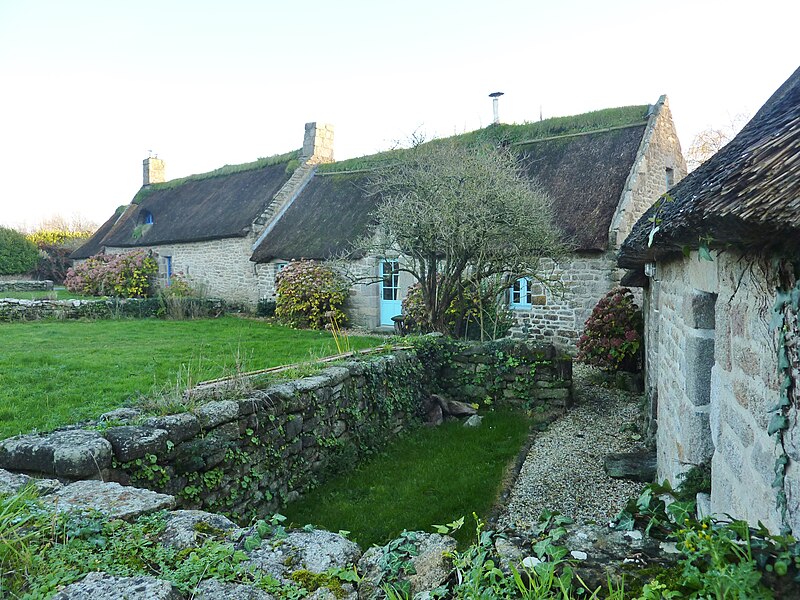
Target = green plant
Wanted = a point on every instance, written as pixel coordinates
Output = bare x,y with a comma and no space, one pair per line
266,307
309,294
125,275
18,255
612,335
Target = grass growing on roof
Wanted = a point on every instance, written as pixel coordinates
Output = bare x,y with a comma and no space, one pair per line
224,170
55,373
428,477
513,134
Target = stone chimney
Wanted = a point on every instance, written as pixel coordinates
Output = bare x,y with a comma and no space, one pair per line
152,171
318,143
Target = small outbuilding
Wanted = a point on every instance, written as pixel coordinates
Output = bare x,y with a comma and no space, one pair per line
719,260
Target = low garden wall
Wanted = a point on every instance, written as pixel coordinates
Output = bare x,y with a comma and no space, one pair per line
26,285
34,310
248,456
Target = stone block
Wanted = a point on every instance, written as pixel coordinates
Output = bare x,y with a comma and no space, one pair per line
71,453
699,360
212,414
111,499
101,586
11,483
132,442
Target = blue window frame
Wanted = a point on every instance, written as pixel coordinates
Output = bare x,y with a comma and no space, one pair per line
147,217
169,268
521,294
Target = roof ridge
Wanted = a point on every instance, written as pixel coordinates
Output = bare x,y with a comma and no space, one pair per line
578,134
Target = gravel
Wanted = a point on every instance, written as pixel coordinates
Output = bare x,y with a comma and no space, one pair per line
564,469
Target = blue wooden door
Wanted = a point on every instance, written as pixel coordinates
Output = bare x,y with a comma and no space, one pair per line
391,305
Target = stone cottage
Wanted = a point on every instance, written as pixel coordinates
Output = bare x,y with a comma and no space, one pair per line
233,229
718,260
205,226
600,178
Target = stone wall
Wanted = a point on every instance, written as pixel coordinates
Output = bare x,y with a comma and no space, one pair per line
27,285
712,366
504,371
34,310
250,455
220,268
558,314
660,150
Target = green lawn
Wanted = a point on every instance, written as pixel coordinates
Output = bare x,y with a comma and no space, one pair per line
56,294
58,372
430,476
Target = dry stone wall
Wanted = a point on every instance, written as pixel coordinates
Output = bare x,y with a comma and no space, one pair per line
27,285
248,456
34,310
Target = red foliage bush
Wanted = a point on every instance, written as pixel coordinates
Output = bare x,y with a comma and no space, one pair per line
612,337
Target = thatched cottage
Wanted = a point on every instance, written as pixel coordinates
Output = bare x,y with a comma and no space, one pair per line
232,229
719,261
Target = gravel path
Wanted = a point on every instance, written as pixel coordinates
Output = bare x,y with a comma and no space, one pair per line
564,468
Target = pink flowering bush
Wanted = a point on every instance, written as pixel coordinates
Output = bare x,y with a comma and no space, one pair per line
310,294
612,337
127,275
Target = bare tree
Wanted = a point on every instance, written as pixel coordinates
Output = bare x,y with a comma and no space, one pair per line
710,141
464,219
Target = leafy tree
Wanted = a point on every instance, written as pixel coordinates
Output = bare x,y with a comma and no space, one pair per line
465,221
17,254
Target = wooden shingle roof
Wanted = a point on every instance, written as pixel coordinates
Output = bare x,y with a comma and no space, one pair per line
747,195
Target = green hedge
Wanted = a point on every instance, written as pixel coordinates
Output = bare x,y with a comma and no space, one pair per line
18,255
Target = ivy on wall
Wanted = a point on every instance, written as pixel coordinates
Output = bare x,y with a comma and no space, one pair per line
785,320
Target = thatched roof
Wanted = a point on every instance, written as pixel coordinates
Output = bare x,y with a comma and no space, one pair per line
330,214
584,172
94,244
585,176
747,195
199,208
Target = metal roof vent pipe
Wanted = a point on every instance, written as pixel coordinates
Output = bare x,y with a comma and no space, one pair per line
495,96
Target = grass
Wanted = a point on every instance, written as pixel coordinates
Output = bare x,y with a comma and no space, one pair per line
59,372
510,133
430,476
56,294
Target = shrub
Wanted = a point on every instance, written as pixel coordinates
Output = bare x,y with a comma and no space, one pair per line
18,255
266,307
54,262
310,294
612,336
464,319
128,275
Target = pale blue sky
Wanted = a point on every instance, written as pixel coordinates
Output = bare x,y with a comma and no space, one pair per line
89,87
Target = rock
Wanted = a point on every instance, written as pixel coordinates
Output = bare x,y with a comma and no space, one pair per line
72,453
459,409
615,554
212,414
431,565
638,466
473,421
434,416
131,442
315,551
11,483
348,593
190,528
180,427
101,586
121,416
111,499
703,503
211,589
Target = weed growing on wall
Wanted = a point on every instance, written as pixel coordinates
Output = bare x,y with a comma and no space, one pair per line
310,294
